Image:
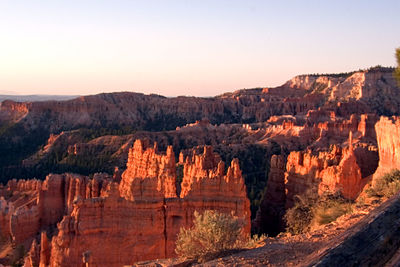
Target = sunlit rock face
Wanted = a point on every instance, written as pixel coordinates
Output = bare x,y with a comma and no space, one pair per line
341,158
28,206
334,171
388,138
112,223
149,174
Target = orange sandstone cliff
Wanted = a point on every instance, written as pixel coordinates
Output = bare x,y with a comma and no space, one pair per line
139,218
149,174
28,206
341,157
388,138
334,171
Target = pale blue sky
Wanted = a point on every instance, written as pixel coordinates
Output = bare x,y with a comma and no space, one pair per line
200,48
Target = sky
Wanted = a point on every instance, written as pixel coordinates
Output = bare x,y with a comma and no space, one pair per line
192,47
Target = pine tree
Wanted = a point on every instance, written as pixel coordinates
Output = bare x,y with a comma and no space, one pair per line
397,70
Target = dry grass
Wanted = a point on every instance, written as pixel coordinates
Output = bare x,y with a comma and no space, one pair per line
310,211
386,186
329,210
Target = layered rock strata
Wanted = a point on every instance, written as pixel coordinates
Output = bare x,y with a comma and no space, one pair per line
333,171
149,174
27,206
359,92
388,138
140,217
342,169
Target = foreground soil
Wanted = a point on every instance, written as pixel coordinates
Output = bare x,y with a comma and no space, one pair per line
308,249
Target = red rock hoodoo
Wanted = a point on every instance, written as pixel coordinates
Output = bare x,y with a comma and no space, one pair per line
340,156
388,138
149,175
27,206
136,219
332,171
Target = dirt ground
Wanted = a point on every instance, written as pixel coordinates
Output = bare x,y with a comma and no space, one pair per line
298,250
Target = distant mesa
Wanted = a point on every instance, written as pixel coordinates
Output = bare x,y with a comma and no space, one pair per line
34,98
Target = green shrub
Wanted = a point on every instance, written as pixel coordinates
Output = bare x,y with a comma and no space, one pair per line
386,186
397,70
298,218
309,211
212,235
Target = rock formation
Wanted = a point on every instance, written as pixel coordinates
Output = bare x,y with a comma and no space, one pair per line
11,111
27,206
33,257
325,97
388,138
128,231
340,157
149,175
375,87
136,219
269,217
333,171
307,121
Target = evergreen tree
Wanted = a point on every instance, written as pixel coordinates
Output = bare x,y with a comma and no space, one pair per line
397,70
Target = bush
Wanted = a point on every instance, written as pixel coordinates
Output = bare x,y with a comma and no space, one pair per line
386,186
329,208
212,235
309,211
397,70
298,219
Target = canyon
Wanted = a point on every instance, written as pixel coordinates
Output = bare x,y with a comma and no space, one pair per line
102,175
140,216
